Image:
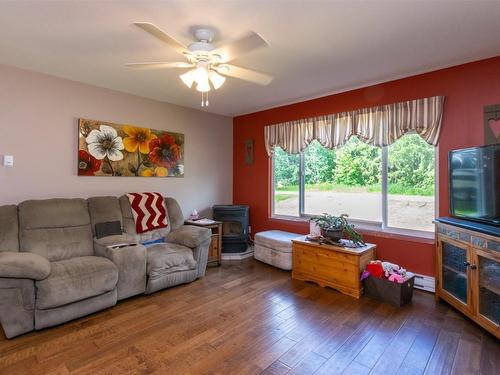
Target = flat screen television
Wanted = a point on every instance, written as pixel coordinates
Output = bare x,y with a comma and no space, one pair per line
475,184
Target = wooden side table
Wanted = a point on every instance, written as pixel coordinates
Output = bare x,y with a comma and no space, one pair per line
328,265
214,251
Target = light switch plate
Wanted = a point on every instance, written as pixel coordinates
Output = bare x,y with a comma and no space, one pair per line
8,161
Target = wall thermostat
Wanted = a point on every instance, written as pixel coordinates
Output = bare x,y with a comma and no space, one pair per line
8,161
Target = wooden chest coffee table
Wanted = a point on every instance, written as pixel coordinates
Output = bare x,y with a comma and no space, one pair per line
334,266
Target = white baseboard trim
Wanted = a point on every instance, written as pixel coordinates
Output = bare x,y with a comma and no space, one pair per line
237,256
424,282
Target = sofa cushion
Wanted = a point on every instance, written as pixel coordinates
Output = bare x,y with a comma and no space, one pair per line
58,243
104,209
175,215
166,258
75,279
53,213
56,229
9,227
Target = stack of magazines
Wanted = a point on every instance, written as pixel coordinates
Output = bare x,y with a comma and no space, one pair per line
203,221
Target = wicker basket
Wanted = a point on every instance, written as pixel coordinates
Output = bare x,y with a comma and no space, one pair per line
388,291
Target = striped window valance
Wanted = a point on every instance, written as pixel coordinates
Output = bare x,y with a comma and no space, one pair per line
379,126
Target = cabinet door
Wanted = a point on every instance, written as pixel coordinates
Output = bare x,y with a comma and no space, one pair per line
454,282
213,250
488,288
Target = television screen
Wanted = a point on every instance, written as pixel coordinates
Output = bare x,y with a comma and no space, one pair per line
475,183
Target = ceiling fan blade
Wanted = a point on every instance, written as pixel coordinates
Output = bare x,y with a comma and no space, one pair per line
159,65
241,46
160,34
244,74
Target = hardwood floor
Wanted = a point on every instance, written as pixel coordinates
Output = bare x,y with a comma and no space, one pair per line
250,318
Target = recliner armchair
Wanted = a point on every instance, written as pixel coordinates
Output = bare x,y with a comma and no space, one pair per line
50,274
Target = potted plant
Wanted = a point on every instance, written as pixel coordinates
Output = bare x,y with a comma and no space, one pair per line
334,228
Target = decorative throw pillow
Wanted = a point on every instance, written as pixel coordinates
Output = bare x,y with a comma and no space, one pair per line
149,211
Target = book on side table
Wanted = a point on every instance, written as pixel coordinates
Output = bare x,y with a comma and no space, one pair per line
202,221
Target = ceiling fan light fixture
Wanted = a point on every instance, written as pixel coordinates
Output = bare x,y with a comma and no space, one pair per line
202,85
200,73
208,65
216,79
188,78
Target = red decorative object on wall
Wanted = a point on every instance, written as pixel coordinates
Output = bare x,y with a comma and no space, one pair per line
492,124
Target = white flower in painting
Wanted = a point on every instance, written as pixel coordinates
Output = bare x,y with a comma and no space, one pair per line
105,143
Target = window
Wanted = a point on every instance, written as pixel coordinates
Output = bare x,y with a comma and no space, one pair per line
336,181
410,184
391,187
286,183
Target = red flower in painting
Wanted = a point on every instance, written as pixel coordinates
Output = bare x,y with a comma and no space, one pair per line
164,151
87,164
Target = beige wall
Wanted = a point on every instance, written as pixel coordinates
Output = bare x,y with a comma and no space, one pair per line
38,125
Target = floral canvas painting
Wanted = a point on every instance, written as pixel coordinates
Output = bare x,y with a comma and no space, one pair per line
107,149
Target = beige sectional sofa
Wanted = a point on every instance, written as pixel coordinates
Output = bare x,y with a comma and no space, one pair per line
53,269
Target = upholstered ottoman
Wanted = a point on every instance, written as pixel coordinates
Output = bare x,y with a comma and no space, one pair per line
274,247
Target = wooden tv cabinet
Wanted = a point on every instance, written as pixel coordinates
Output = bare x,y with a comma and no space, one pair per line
335,266
468,271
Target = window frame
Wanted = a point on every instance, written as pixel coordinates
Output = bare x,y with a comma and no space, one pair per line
364,225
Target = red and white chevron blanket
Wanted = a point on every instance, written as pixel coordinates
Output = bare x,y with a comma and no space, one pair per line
149,211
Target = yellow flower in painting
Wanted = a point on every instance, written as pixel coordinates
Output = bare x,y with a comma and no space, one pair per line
148,172
137,138
157,172
161,172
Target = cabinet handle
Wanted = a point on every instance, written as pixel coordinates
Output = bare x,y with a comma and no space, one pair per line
472,266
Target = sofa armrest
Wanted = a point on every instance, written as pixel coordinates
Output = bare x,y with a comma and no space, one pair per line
196,238
17,306
189,235
101,245
23,265
130,261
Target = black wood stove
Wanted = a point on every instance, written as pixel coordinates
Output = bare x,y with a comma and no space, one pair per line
235,220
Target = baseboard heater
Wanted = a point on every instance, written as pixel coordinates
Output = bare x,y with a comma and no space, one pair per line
424,282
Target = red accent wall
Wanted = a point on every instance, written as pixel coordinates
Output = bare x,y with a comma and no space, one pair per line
468,88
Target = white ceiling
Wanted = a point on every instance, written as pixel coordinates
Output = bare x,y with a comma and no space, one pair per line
317,47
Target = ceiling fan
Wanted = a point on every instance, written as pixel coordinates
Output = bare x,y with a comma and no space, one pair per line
207,64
